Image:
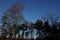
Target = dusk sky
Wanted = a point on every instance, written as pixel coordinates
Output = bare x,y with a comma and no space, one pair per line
34,9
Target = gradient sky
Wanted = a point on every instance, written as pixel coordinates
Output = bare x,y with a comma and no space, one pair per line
34,9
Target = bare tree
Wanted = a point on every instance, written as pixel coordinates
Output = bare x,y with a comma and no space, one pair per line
51,17
12,17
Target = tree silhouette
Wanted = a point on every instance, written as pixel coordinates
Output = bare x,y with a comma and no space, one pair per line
4,23
12,17
26,33
23,28
46,26
31,27
38,26
46,29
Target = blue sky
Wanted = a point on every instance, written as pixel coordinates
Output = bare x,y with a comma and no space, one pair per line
34,9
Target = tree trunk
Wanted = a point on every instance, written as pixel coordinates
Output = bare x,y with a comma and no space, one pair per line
15,36
23,35
39,34
31,35
18,36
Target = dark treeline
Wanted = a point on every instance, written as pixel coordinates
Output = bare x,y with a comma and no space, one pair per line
48,29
